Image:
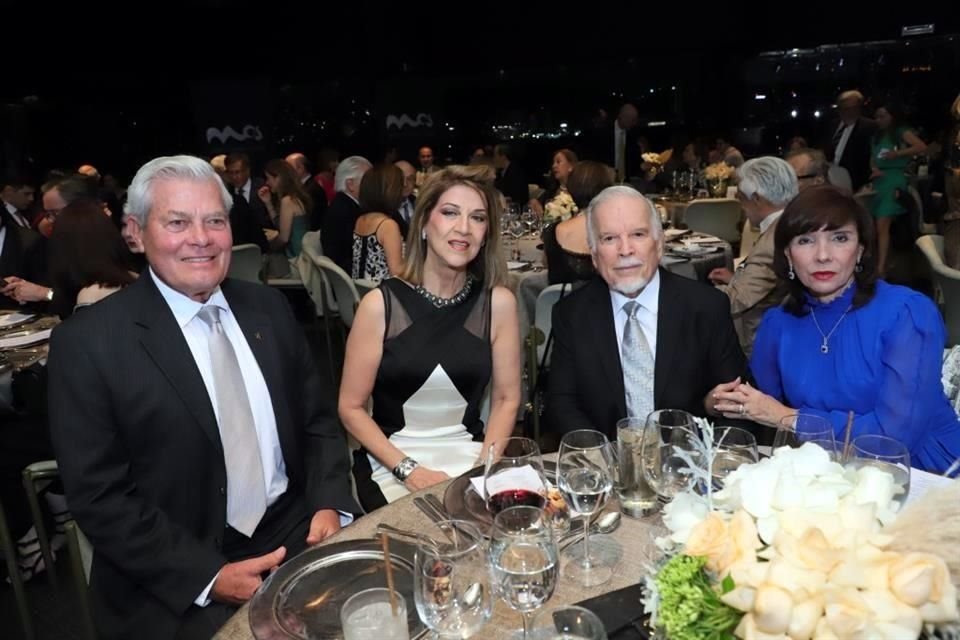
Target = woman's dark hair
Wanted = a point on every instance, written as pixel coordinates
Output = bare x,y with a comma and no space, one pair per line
897,115
586,180
381,189
85,249
289,184
824,207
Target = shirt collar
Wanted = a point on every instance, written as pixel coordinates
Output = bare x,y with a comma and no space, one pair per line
767,222
245,189
10,208
184,308
649,298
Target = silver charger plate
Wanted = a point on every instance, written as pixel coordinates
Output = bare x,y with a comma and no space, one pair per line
302,599
463,503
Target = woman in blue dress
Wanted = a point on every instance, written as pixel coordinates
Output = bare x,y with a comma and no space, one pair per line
845,341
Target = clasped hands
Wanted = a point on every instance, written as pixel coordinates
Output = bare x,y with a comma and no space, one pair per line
740,400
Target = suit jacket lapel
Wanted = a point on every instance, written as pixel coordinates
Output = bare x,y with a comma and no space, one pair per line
163,340
606,336
669,317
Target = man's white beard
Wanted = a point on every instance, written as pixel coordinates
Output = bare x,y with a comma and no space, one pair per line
631,288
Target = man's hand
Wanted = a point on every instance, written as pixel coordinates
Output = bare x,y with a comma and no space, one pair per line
324,524
710,402
238,581
720,275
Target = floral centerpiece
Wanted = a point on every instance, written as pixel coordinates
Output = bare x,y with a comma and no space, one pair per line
655,161
718,176
797,546
561,207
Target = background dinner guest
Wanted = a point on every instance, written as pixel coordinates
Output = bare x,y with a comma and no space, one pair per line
566,248
88,258
377,241
425,346
765,186
846,341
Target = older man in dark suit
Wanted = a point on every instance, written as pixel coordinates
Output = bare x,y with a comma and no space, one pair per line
196,446
637,338
849,144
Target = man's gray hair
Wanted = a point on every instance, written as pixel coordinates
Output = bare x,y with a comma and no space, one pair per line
351,168
140,191
620,191
818,161
774,179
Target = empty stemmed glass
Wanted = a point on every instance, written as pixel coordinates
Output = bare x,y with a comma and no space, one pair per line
451,581
586,469
886,454
796,430
670,440
523,560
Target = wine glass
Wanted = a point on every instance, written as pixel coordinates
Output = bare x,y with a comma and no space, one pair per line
796,430
513,475
671,436
568,623
886,454
732,447
586,470
524,560
637,498
451,581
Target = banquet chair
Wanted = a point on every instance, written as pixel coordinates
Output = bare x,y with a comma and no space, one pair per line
246,263
947,282
37,478
9,550
718,217
539,345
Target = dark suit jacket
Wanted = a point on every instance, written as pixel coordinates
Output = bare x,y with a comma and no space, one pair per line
602,149
24,255
260,213
337,234
318,203
140,455
697,349
512,183
245,224
856,155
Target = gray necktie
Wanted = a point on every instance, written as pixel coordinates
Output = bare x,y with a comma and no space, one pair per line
637,361
246,490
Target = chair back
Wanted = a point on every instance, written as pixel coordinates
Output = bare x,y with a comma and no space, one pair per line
718,217
543,316
246,263
344,290
947,281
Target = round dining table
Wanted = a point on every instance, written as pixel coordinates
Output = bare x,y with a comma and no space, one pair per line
634,539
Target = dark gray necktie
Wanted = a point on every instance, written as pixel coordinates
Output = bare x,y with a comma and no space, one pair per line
246,489
636,359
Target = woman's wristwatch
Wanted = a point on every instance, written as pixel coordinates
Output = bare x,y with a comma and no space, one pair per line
404,468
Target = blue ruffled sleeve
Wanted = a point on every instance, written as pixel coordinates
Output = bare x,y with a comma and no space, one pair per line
910,402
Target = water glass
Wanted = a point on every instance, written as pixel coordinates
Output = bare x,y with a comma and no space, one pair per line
637,498
524,560
368,614
586,469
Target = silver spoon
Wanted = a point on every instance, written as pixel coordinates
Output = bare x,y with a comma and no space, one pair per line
606,524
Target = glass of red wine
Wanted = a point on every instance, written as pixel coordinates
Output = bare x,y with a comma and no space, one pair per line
513,475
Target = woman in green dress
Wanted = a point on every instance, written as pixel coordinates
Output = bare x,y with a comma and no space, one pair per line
894,145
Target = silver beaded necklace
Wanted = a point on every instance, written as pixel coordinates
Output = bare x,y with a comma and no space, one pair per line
456,299
824,346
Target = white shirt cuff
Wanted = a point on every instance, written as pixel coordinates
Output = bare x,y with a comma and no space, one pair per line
345,518
204,598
